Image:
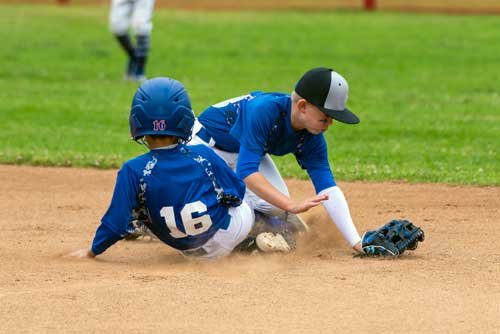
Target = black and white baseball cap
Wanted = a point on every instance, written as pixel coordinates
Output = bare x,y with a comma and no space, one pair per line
327,90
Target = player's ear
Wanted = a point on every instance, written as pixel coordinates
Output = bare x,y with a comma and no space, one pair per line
301,105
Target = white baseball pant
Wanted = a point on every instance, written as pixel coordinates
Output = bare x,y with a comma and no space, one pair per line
224,241
134,14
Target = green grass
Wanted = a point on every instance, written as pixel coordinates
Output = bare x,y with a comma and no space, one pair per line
425,86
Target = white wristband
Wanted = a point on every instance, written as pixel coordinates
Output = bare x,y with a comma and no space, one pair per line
338,210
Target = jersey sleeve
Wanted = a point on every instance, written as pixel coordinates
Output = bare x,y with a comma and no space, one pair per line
103,239
115,221
252,130
248,163
314,159
254,125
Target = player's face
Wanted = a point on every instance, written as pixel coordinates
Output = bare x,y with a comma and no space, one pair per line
316,121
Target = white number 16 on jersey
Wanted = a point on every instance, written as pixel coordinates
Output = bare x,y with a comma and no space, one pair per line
192,226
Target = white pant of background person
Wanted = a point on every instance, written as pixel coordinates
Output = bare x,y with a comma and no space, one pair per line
137,16
134,14
267,168
224,241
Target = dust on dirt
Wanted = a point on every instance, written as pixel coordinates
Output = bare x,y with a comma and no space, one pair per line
451,283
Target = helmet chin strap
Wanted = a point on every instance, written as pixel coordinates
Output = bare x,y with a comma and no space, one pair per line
185,141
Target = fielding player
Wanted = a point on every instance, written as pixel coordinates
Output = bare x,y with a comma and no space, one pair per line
246,130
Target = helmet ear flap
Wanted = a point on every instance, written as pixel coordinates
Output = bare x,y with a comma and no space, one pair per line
186,122
135,123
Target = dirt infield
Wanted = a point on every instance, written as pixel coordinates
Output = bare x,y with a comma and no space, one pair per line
451,284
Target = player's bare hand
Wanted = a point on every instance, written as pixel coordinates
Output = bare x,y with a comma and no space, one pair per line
308,204
81,254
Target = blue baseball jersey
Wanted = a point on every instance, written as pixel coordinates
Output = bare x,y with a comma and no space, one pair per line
184,191
260,123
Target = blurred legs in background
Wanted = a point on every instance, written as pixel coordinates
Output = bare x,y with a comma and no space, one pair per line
135,15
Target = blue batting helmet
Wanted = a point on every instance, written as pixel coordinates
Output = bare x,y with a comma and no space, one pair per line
161,106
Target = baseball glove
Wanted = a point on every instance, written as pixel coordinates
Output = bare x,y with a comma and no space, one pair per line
392,239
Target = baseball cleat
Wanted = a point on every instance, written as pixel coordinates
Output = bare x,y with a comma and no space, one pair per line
133,73
268,242
135,78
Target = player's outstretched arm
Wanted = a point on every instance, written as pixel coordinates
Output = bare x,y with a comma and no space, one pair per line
104,238
265,190
338,210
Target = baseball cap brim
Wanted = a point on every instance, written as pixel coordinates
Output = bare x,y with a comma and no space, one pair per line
344,116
